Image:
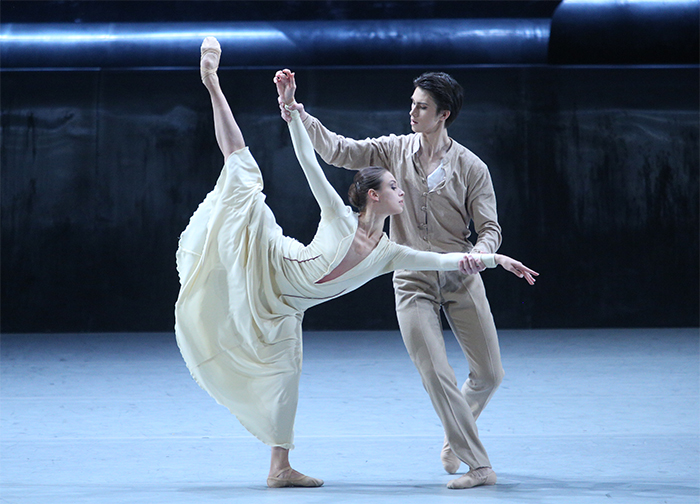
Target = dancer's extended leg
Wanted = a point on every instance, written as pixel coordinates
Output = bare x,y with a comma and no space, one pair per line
228,134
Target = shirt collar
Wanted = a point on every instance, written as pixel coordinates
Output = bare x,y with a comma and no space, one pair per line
415,147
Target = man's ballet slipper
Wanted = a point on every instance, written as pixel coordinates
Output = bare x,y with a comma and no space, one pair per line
449,460
299,481
209,46
474,478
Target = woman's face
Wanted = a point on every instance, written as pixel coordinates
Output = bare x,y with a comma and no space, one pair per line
390,195
424,114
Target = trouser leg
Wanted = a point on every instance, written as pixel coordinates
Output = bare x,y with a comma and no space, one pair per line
468,312
421,330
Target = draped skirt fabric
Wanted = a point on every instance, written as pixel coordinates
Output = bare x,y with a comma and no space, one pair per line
240,341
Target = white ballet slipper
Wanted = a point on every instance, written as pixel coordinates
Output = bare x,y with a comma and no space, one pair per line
297,481
474,478
209,46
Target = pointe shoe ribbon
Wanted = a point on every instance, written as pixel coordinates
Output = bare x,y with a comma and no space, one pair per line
209,46
298,481
449,460
474,478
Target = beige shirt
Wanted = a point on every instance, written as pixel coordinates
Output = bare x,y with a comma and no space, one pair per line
433,220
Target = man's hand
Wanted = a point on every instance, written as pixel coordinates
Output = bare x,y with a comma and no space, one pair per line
469,265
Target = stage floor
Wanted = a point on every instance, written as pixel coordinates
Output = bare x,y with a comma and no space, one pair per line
583,416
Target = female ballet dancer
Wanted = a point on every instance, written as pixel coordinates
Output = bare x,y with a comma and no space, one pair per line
244,286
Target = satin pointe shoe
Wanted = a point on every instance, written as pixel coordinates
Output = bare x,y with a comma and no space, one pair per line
449,460
298,481
209,46
474,478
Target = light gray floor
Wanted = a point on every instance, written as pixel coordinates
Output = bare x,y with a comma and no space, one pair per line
605,416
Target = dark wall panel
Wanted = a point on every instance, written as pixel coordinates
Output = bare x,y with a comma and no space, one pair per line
596,173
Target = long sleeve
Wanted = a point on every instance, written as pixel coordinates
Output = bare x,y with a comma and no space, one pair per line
407,258
481,205
344,152
323,191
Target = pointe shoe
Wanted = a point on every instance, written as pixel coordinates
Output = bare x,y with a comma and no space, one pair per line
298,481
209,46
474,478
449,460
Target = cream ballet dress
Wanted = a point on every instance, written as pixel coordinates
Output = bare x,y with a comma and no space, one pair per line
244,287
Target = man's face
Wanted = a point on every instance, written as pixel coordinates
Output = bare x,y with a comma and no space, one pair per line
424,115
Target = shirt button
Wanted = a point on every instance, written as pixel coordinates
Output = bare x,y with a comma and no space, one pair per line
423,208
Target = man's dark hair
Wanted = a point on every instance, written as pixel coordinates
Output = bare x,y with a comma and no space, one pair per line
446,92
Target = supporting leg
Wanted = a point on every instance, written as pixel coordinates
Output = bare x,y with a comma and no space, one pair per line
469,315
422,335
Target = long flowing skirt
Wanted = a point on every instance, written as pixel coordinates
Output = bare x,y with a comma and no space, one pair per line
241,343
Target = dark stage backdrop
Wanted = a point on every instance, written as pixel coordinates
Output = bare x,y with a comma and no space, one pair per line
595,170
595,167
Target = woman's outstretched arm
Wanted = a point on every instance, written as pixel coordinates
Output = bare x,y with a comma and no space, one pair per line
228,134
469,264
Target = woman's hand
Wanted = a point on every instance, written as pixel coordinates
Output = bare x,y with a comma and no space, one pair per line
286,88
517,268
469,265
286,85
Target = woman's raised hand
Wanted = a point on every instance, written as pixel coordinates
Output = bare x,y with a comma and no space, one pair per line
517,268
286,87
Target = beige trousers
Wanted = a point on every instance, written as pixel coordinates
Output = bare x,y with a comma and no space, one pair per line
419,297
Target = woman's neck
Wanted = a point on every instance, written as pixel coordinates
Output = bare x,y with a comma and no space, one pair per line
371,224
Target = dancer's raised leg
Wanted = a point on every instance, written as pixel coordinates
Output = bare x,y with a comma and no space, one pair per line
228,134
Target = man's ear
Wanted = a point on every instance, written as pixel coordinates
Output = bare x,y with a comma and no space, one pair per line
444,115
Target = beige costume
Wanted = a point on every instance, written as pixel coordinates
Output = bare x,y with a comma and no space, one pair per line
437,218
245,287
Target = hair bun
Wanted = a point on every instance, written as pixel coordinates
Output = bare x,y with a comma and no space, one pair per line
365,179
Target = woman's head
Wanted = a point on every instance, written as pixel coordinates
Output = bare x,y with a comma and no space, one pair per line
375,185
445,92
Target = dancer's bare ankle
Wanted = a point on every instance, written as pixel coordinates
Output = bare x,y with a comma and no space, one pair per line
281,472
